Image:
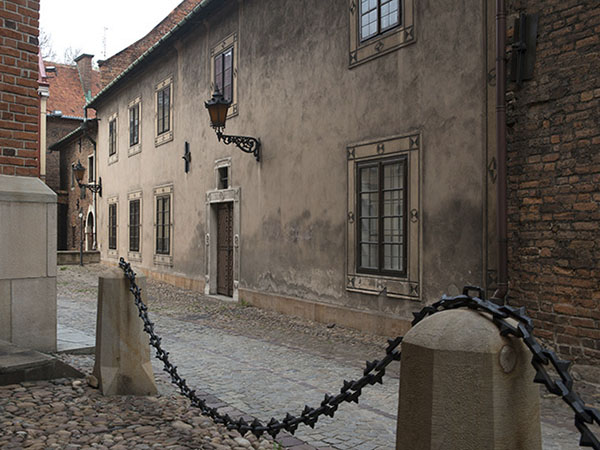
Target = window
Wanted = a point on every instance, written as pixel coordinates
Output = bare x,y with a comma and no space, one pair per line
134,225
224,73
378,16
163,224
378,27
91,169
381,211
134,125
164,111
163,106
383,226
112,137
223,174
112,226
224,69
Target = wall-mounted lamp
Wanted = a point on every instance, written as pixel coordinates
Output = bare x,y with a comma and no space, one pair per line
217,109
79,170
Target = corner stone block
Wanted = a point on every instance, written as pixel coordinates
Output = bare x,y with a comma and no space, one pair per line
34,313
5,314
465,387
122,364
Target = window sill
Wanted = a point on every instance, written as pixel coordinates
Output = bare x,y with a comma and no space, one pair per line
134,256
163,138
113,253
134,150
163,260
113,158
379,284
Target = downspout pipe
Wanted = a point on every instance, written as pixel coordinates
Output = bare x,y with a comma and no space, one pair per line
501,294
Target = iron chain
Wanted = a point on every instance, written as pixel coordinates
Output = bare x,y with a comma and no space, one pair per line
510,320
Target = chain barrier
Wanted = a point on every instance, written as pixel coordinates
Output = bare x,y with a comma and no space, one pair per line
510,320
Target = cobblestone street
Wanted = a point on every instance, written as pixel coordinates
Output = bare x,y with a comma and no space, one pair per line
259,362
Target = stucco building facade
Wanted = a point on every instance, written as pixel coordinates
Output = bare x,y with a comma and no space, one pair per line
372,195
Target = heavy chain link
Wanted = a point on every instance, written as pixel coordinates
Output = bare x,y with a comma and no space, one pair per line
510,320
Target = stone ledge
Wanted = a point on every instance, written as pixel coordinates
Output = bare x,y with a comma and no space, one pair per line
25,190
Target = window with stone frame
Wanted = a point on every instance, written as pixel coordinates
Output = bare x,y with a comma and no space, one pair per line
134,125
163,225
112,226
91,169
383,227
112,137
134,225
164,111
378,27
224,70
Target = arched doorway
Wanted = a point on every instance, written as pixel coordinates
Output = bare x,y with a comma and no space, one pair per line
89,232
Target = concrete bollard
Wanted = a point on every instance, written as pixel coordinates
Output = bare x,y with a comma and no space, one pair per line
122,364
465,387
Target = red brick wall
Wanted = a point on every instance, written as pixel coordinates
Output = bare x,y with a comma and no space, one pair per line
113,66
19,102
554,178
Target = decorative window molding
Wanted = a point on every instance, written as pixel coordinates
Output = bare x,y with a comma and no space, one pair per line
385,40
222,47
113,139
405,283
163,114
134,112
113,226
163,231
91,169
135,229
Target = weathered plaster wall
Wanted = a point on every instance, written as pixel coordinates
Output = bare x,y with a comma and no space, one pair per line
298,95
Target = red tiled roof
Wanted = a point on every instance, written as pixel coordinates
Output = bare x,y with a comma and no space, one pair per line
66,91
113,66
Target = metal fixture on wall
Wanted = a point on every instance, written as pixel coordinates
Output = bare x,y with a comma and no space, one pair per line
187,157
79,170
217,109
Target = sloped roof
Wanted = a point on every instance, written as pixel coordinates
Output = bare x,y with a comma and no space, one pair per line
203,7
113,66
66,91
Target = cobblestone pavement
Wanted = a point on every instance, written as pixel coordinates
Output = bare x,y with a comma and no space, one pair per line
266,364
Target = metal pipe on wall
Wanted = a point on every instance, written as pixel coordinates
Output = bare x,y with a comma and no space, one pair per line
501,188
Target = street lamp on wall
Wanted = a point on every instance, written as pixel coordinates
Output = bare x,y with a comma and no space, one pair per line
79,170
217,109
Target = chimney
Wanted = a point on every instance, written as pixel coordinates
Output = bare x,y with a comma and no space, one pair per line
84,67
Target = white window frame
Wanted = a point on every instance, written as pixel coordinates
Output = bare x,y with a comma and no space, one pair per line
114,157
223,45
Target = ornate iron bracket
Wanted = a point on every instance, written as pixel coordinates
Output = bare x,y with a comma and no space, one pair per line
246,144
95,188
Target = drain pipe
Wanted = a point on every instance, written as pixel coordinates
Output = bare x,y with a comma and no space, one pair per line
501,293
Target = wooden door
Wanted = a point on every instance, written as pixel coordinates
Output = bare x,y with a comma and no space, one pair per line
225,249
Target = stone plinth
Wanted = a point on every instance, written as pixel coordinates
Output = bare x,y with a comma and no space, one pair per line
464,387
27,263
122,364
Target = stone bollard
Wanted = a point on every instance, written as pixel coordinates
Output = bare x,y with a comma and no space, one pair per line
465,387
122,364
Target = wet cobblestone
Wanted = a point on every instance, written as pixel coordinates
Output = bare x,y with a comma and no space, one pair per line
266,364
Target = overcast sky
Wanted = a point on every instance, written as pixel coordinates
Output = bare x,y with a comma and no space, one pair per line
81,24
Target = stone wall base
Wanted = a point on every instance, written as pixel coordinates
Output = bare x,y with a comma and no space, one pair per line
369,322
71,257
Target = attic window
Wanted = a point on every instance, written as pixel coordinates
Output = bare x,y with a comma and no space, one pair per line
223,181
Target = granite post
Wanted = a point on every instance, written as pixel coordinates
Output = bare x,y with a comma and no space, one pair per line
465,387
122,364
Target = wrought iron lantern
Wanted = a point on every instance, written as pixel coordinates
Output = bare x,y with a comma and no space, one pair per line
79,170
217,109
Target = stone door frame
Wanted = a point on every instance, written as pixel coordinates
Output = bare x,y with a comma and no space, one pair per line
212,199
